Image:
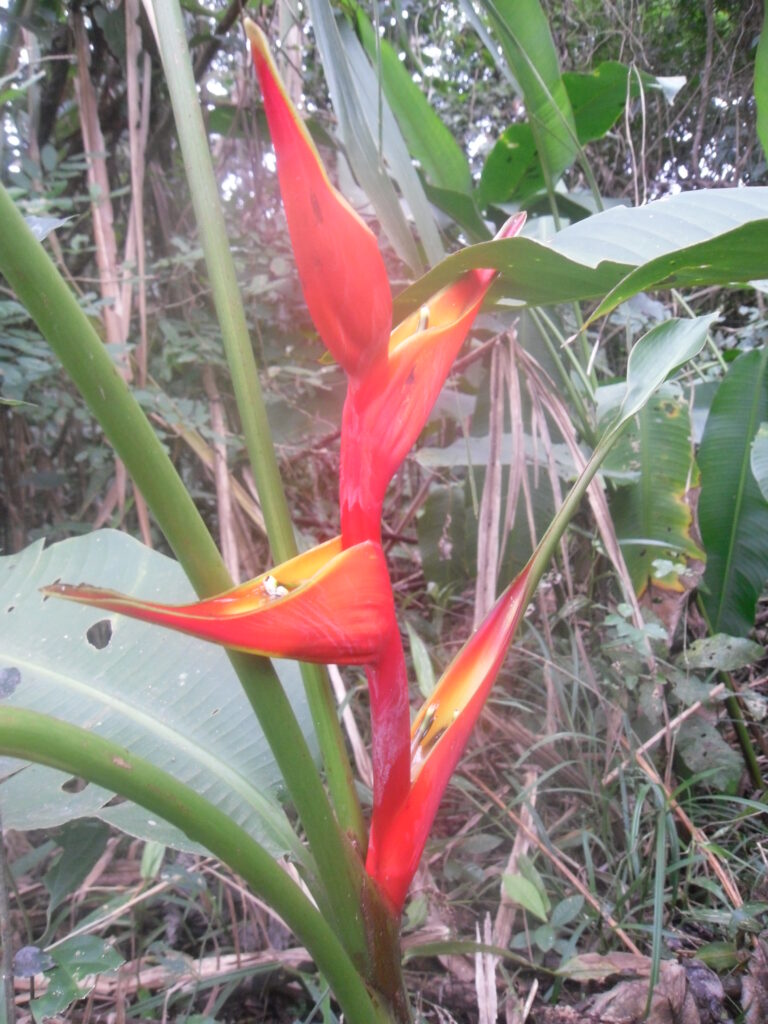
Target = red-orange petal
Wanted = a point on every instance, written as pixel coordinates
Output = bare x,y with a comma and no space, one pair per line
386,411
341,269
438,736
326,605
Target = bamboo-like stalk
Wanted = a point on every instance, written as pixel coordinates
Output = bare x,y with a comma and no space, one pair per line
37,737
203,187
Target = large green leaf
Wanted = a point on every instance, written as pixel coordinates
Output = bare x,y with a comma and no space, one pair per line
522,29
651,516
170,699
597,99
713,236
428,139
394,149
733,514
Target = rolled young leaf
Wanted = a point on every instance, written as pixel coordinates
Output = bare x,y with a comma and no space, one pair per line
341,269
326,605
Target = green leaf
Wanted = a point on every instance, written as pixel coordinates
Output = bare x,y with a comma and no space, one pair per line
79,960
422,663
394,149
171,699
761,82
665,347
428,139
523,892
714,236
651,516
82,844
359,142
522,29
733,514
758,459
722,652
597,100
705,751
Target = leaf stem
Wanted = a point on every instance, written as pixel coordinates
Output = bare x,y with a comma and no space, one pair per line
204,190
37,737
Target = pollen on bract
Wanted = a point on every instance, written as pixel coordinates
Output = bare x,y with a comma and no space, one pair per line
326,605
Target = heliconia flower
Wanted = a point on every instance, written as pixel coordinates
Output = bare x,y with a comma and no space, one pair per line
341,269
327,605
386,410
438,736
393,381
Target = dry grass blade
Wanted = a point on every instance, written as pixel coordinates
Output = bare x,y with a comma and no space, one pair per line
221,476
557,863
356,741
490,503
696,834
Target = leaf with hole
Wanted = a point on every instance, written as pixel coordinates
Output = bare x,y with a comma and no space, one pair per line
172,700
651,513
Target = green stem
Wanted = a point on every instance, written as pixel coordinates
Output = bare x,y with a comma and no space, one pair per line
40,287
545,550
33,736
204,190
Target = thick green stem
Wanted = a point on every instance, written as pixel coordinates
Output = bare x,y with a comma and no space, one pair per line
36,737
40,287
203,187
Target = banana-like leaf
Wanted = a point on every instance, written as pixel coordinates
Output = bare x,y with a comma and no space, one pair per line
651,516
597,98
360,144
522,30
172,700
713,236
428,139
394,149
733,514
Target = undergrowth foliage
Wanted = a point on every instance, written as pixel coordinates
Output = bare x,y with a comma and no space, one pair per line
604,825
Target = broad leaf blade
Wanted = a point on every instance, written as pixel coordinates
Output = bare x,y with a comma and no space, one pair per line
714,236
395,152
522,29
733,514
428,139
172,700
651,515
665,347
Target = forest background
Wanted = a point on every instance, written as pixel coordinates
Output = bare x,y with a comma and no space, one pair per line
558,844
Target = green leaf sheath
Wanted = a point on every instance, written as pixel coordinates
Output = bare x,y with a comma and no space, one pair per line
245,379
29,735
733,514
761,82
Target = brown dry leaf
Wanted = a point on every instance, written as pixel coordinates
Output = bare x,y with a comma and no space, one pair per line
595,967
754,986
672,1001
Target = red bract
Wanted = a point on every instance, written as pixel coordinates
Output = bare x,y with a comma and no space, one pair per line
385,410
327,605
341,270
392,385
438,736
